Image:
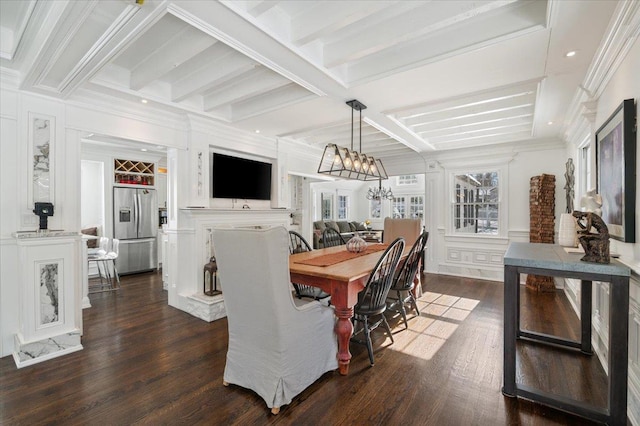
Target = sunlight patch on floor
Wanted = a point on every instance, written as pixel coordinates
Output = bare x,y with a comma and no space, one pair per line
440,316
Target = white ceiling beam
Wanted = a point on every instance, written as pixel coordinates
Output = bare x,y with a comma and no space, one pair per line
523,88
367,143
251,84
504,104
206,59
481,134
428,18
470,131
270,101
185,45
256,8
492,140
321,131
470,123
327,17
210,77
486,117
339,133
520,18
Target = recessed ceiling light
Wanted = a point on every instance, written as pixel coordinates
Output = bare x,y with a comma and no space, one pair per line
549,123
143,149
257,131
570,53
144,101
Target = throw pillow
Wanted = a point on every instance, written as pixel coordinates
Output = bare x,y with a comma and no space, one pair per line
343,227
332,224
91,231
319,225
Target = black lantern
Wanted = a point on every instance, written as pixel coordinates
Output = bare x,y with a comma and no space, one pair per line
211,284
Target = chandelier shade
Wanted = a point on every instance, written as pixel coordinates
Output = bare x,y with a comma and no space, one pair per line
350,164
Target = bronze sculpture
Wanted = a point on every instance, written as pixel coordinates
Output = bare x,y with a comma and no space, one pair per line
595,244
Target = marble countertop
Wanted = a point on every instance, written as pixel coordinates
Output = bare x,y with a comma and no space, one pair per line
47,233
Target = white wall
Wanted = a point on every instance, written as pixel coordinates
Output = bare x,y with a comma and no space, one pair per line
524,166
92,194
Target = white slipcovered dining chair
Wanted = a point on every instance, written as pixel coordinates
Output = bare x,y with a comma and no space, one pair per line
276,348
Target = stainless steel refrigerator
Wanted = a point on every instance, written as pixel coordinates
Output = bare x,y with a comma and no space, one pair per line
135,224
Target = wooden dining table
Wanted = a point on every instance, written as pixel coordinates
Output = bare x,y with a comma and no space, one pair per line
343,280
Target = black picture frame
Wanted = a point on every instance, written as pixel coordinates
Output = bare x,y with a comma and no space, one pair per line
616,171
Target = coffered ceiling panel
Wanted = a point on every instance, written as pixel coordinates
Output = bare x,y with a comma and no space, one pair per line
500,115
177,63
357,41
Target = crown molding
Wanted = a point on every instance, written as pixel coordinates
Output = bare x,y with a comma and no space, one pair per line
129,109
9,79
623,30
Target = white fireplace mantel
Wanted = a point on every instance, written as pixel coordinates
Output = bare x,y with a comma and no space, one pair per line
190,248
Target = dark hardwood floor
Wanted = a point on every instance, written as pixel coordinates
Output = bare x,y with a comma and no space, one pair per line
147,363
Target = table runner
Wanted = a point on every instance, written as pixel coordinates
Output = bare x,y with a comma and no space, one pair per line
337,257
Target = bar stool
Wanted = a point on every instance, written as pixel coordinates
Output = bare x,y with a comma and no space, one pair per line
212,269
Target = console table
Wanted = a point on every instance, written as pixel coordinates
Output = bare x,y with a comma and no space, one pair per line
553,260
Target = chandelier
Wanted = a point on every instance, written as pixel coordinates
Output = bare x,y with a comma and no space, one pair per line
347,163
379,193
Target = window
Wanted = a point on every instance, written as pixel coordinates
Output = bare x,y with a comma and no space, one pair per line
408,206
398,207
407,180
326,202
476,203
343,206
586,169
416,207
375,209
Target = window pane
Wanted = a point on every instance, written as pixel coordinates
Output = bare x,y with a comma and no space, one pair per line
407,180
375,208
399,211
416,207
476,203
326,201
343,207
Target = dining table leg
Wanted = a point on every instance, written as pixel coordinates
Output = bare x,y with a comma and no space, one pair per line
344,330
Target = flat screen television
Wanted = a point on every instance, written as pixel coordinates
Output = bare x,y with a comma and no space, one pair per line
235,177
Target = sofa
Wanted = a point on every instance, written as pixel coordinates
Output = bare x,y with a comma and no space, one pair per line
346,228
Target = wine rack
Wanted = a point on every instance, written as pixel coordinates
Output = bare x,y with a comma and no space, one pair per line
130,172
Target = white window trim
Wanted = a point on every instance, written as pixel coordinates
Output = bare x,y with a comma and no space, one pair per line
503,201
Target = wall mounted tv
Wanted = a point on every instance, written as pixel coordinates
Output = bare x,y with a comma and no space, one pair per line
235,177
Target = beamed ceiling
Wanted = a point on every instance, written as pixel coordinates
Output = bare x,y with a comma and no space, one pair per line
434,75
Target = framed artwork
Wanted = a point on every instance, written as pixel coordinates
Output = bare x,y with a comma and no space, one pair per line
41,148
616,171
